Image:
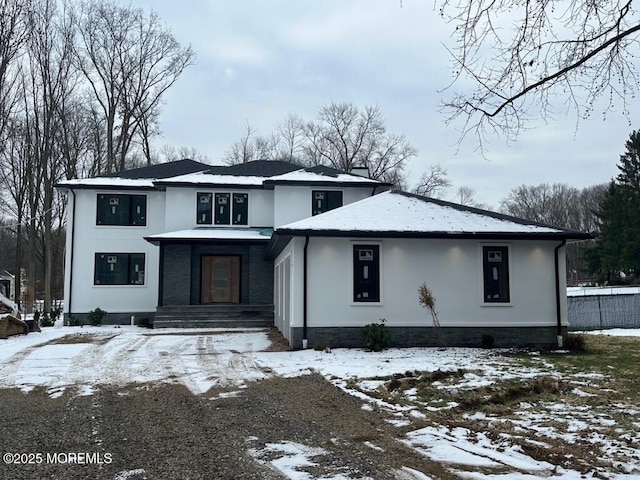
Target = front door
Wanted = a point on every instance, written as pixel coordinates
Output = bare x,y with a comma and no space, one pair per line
220,281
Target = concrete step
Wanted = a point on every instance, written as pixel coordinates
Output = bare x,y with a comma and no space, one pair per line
209,316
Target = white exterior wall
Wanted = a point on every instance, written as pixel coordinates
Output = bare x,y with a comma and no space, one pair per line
90,238
293,256
182,207
293,203
452,269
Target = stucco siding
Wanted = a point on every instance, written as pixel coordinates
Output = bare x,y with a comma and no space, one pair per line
452,269
89,239
182,211
292,203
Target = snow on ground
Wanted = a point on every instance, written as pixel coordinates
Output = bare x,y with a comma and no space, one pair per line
479,446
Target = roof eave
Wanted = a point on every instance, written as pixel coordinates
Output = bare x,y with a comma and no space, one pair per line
237,186
107,187
435,235
157,241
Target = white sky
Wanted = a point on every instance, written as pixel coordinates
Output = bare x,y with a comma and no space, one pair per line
258,61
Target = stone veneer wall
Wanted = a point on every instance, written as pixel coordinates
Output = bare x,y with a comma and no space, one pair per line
498,337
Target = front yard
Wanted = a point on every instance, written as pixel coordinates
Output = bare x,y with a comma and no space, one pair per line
455,413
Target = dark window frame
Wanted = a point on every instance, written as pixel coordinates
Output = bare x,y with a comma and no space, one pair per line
367,274
496,275
234,205
331,199
119,269
204,214
121,209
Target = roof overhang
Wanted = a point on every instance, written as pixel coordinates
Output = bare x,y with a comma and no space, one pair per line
560,235
212,235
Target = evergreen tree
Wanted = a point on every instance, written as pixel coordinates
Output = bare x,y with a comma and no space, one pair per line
629,181
618,215
606,258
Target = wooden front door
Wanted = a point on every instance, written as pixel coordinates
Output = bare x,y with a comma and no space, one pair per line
220,281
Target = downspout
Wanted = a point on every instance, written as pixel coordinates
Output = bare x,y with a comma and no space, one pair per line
73,236
558,307
305,341
161,276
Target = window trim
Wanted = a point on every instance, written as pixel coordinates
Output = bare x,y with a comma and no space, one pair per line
131,205
351,291
136,285
508,246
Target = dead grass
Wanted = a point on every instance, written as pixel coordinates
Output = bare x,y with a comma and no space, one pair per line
278,342
78,338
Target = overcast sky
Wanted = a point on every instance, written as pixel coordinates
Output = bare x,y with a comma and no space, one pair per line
258,60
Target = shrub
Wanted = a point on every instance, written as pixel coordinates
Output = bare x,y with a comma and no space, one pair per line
96,316
45,320
376,336
73,322
55,314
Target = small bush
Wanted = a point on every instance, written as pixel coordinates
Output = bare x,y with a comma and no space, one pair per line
376,336
55,314
45,320
96,316
576,342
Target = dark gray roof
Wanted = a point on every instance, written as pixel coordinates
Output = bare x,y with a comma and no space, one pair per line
163,170
257,168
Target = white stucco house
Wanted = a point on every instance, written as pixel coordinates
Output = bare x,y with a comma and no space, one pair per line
316,252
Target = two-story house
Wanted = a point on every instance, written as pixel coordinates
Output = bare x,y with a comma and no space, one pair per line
315,251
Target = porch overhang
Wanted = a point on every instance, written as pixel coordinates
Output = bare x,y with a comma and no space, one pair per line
212,234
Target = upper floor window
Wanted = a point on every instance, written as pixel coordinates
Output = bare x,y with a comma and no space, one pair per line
223,208
495,267
121,209
119,269
325,200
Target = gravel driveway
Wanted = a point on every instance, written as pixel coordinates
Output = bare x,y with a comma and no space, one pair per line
163,431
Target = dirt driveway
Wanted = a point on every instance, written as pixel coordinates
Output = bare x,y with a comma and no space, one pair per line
202,408
163,431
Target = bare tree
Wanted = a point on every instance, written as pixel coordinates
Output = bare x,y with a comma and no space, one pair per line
292,139
465,195
129,60
342,137
345,137
526,55
51,82
169,154
243,150
562,206
14,31
433,183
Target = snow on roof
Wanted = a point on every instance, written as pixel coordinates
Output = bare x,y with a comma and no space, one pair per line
204,178
399,212
303,175
109,182
213,233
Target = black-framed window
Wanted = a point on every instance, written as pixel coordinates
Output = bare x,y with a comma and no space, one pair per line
366,273
222,208
121,209
119,269
325,200
495,267
204,208
240,208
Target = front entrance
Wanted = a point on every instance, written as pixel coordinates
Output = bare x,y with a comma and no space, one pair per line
220,279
